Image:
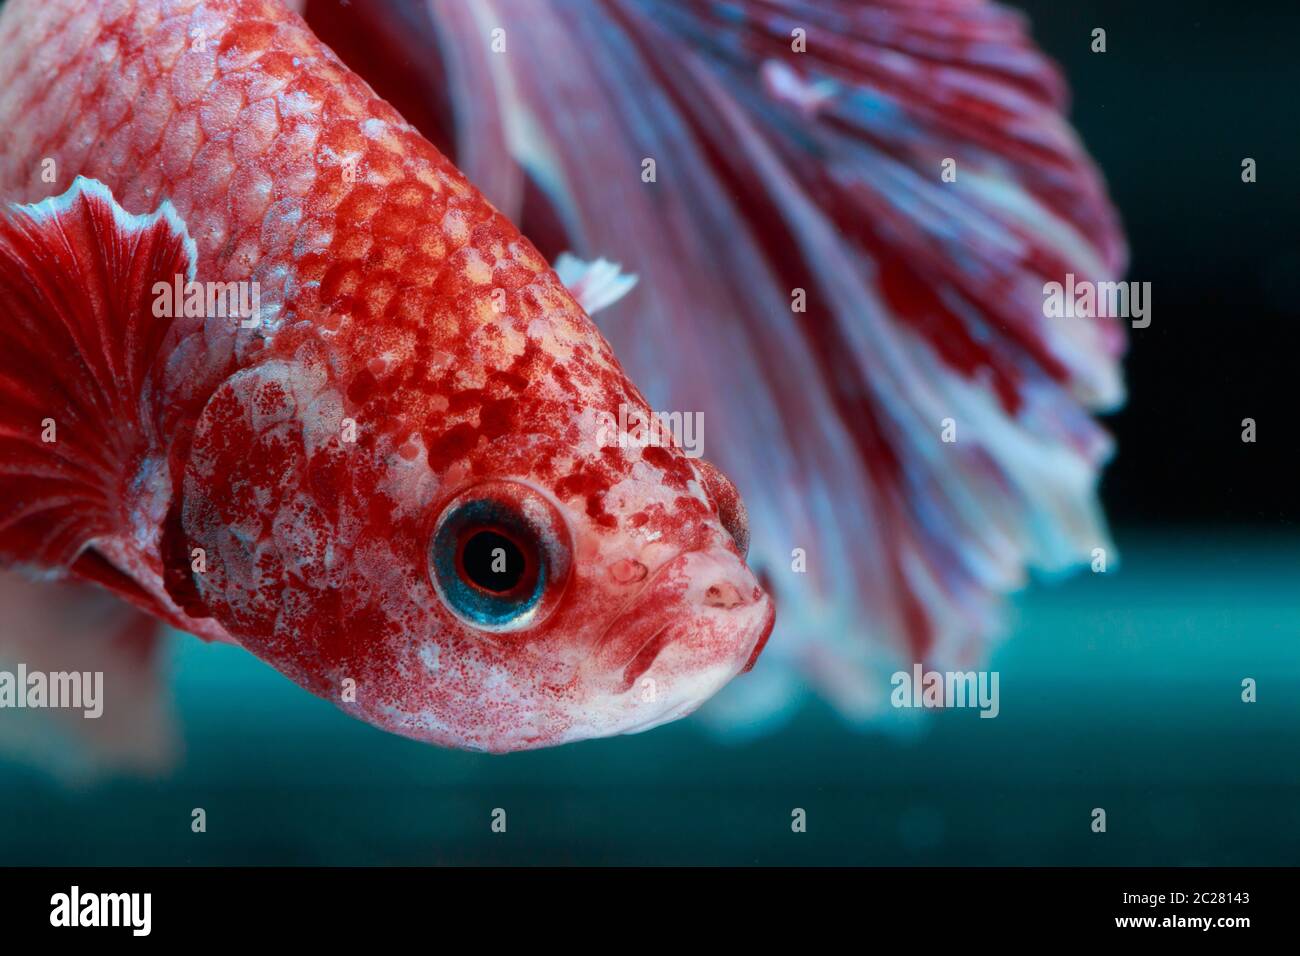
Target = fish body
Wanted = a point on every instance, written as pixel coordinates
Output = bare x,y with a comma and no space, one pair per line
390,483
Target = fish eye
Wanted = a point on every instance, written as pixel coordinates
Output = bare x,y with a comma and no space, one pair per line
498,556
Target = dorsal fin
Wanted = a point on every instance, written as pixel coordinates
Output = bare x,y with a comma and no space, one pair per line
78,338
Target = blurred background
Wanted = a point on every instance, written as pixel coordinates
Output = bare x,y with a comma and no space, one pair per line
1119,691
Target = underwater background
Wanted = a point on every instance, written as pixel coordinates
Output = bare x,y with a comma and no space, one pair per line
1119,690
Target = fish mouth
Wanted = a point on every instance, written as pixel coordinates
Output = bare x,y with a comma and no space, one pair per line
703,608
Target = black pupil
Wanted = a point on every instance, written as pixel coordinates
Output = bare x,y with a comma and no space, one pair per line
492,561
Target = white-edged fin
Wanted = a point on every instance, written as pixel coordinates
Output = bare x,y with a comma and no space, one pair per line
52,207
596,285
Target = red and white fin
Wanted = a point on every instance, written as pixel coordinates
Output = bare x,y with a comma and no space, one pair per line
78,346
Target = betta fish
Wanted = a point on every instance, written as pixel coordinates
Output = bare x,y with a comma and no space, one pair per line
273,371
845,215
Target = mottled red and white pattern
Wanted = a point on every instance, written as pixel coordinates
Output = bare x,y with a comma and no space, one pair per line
395,298
800,149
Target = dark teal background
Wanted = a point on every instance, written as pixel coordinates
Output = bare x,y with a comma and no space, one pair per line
1119,691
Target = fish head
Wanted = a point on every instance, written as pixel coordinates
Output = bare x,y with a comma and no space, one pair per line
609,597
470,529
593,567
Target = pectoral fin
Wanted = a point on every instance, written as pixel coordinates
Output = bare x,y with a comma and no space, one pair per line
79,341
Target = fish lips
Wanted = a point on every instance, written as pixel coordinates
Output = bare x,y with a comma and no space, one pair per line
699,620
